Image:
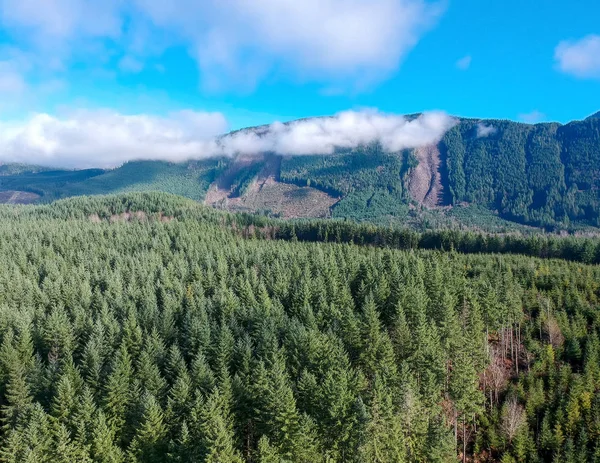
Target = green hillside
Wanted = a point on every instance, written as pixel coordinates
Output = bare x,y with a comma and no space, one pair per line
147,328
535,174
505,177
187,179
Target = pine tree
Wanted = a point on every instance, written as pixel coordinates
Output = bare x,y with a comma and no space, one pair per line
281,414
118,387
83,419
216,433
266,452
464,391
13,447
64,401
179,398
64,450
384,441
150,444
18,400
401,335
150,376
377,357
36,437
104,449
202,376
93,365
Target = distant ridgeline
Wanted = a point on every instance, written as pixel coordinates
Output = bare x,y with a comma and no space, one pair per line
544,175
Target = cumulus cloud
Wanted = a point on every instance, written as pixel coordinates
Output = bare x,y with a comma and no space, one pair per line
580,58
464,63
107,139
17,88
239,42
533,117
322,39
484,130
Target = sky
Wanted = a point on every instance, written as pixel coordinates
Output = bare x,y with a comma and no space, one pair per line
192,69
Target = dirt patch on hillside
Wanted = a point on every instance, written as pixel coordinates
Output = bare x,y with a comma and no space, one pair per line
220,190
290,201
425,180
216,196
268,194
18,197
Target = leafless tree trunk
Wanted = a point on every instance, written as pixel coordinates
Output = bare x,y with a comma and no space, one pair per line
464,440
555,335
513,418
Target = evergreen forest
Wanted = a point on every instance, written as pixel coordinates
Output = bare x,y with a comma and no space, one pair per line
150,328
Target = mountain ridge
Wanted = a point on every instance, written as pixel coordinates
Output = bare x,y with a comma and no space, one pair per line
595,116
542,175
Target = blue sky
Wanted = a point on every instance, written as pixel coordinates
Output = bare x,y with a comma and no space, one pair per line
249,63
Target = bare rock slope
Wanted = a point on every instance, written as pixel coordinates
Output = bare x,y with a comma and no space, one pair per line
425,180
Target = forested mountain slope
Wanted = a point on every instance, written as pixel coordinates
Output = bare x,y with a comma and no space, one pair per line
544,175
150,328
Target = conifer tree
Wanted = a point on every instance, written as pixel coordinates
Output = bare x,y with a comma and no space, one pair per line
104,448
150,441
384,441
117,395
18,400
216,433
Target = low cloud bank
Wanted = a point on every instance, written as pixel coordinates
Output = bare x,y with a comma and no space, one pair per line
107,139
484,130
345,130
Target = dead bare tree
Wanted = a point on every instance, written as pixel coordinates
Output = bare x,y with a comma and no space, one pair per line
513,418
554,332
496,376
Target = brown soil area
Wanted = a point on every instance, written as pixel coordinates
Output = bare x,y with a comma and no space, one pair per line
288,200
18,197
219,191
425,182
268,194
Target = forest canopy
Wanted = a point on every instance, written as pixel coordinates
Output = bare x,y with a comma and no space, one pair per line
148,328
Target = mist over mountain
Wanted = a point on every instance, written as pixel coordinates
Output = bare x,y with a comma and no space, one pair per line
103,139
367,166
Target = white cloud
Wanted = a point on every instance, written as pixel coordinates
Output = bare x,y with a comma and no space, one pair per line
106,139
348,129
320,39
17,88
580,58
131,65
464,63
63,19
239,42
484,130
533,117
